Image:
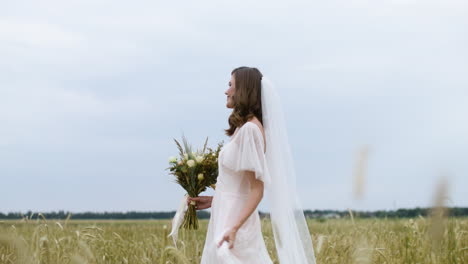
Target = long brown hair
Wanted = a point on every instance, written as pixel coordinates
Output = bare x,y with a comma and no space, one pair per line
247,98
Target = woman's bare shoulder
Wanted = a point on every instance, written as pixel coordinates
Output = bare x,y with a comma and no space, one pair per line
257,122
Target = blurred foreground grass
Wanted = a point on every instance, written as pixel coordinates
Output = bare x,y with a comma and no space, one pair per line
337,241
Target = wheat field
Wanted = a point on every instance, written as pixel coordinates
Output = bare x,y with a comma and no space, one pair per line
340,241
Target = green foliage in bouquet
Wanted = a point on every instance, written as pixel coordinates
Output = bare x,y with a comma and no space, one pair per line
194,171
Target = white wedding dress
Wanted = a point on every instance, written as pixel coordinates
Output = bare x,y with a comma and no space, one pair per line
245,151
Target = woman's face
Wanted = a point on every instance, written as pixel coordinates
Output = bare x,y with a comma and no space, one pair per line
230,92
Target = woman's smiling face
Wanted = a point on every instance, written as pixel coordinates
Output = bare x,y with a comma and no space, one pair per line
230,92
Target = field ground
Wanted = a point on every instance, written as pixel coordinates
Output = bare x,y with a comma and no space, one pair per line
336,241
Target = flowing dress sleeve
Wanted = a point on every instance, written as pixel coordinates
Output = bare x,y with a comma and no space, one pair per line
247,153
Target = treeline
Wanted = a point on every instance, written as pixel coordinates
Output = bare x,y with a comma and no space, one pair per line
132,215
400,213
320,214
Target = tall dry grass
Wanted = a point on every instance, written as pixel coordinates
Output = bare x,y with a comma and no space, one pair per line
335,241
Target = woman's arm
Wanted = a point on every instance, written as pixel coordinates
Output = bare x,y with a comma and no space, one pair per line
255,196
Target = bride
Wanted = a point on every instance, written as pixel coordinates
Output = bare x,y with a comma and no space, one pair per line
256,159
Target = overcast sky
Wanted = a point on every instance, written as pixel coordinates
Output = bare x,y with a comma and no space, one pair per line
92,94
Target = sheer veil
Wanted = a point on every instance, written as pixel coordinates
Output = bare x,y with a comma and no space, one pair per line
292,237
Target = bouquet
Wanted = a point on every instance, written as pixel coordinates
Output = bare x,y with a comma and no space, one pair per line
194,171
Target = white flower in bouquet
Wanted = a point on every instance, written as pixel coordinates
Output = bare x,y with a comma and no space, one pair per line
191,163
186,156
200,177
172,159
199,159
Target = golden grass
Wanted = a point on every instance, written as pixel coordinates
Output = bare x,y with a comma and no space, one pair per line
335,241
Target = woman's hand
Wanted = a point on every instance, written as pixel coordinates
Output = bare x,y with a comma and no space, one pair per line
229,236
202,202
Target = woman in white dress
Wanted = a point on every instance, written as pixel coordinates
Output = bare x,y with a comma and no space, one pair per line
254,159
234,231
